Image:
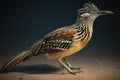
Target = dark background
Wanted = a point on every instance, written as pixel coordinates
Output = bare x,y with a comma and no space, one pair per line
23,22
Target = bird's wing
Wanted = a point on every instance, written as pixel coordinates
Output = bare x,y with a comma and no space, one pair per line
55,41
58,40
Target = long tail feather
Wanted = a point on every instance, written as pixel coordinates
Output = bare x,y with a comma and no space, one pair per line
16,59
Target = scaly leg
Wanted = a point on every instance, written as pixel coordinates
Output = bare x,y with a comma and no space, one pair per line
69,65
68,68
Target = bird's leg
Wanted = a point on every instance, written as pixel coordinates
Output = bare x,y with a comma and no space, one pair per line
66,67
69,65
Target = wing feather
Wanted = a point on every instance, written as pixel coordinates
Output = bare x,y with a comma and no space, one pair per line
61,33
55,41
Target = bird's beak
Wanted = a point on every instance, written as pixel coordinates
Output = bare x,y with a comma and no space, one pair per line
104,12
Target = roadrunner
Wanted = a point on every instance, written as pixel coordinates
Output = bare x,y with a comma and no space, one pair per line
64,41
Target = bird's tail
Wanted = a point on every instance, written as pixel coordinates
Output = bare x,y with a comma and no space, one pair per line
16,59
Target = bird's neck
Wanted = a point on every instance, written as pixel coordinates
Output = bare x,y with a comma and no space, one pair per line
85,27
88,23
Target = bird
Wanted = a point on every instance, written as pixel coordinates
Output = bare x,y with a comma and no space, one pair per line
63,42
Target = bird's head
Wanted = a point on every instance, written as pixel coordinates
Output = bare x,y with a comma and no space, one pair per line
90,11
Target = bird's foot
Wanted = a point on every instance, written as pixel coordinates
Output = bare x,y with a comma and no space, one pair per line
75,68
74,72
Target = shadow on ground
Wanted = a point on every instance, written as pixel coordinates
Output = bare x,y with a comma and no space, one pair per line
34,69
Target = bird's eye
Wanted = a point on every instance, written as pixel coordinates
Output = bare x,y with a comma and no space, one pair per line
85,14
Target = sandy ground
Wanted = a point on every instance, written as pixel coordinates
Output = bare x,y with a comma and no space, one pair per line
93,67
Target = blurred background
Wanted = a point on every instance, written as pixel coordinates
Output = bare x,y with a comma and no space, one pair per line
23,22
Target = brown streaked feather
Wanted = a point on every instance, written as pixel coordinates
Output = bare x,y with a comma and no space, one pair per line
36,47
61,33
16,59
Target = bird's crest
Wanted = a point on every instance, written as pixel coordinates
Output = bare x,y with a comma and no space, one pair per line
88,7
